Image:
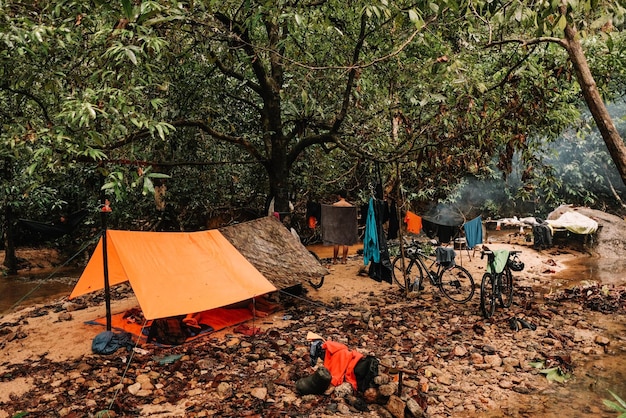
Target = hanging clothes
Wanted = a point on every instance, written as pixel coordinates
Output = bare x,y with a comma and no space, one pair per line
445,256
443,233
473,232
381,271
339,225
500,259
313,213
413,222
394,225
371,250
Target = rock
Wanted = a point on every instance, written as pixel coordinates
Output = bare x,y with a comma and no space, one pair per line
511,361
600,340
444,379
489,349
396,406
344,390
505,384
65,316
259,393
134,388
414,408
476,358
493,360
344,409
224,390
459,351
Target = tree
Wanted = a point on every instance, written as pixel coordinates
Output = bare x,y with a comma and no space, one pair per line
565,23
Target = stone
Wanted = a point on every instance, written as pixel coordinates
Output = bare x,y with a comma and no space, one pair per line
414,408
396,406
224,390
600,340
477,358
259,393
134,388
493,360
460,351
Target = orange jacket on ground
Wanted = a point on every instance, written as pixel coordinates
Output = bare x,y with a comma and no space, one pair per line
340,363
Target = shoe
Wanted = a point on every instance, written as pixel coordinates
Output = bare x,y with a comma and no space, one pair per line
513,323
526,324
315,384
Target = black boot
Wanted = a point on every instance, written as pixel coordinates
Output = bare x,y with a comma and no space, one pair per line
315,384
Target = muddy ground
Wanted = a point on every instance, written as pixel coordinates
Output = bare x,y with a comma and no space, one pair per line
453,361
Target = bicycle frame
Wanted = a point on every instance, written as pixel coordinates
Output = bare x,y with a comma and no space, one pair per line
496,285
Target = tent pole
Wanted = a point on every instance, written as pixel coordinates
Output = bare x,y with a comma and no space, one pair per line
106,209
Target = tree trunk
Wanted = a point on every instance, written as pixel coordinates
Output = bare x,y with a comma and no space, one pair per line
612,139
10,259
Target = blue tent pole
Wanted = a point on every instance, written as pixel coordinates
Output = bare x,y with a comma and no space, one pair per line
106,209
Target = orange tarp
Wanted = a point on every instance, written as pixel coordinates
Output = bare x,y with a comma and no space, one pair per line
174,273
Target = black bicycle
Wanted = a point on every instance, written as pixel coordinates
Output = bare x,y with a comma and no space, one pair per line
497,282
454,281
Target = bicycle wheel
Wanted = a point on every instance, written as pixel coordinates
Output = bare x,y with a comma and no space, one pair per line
457,284
506,288
413,273
487,296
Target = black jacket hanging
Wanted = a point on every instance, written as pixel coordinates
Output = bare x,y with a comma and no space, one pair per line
381,271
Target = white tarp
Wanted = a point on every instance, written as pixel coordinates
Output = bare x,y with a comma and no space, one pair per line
575,222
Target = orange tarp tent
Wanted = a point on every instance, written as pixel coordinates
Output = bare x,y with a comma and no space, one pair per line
174,273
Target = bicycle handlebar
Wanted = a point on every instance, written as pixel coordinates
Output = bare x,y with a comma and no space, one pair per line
489,252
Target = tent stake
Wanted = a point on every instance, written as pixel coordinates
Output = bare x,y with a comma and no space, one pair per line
106,209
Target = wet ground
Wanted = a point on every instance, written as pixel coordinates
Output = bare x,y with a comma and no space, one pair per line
32,289
582,396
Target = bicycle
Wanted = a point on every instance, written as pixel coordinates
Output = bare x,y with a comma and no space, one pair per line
454,281
497,282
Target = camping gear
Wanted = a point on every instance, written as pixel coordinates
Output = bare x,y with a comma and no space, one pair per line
63,226
175,273
274,251
339,225
574,222
316,383
108,342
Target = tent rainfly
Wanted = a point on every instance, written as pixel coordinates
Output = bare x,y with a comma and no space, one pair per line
174,273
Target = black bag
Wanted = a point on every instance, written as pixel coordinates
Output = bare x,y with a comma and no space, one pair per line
365,371
169,331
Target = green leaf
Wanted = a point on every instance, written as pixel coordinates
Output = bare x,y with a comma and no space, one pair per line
159,176
620,400
131,55
148,186
127,6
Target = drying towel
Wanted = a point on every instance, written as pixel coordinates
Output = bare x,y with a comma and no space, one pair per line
413,222
502,256
445,256
371,250
473,232
339,225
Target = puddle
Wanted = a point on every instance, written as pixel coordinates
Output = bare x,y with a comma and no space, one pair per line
587,269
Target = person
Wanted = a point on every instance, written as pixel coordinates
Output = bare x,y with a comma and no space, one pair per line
341,196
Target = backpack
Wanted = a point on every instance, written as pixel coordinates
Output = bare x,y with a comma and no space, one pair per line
365,371
169,331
